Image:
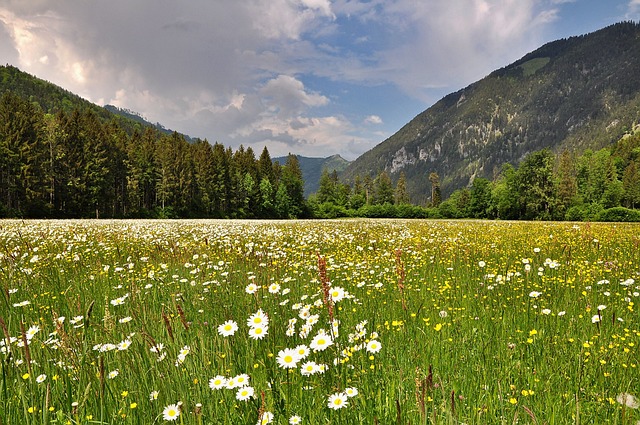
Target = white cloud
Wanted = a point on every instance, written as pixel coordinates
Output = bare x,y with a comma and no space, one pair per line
373,119
234,71
633,9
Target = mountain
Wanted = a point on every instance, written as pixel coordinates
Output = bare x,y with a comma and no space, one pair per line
576,93
312,169
53,98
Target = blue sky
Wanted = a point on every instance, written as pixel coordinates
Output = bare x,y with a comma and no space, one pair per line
312,77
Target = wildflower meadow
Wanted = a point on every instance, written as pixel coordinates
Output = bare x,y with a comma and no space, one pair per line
319,322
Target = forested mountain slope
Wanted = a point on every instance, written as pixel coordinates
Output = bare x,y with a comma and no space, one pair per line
576,93
52,99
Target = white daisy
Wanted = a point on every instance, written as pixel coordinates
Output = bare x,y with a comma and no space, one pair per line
320,342
287,358
217,382
244,393
228,328
171,412
337,401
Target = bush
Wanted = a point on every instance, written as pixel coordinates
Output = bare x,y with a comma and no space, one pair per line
378,211
330,210
619,214
585,212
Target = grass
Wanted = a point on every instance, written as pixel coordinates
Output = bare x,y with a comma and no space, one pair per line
116,322
532,66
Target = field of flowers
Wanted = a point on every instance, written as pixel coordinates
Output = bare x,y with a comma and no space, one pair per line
318,322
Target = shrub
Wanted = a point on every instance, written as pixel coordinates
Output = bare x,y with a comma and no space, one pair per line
619,214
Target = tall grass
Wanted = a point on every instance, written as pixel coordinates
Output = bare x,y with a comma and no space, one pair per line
421,322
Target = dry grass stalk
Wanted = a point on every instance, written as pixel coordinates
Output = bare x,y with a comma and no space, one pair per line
326,287
25,345
167,325
183,317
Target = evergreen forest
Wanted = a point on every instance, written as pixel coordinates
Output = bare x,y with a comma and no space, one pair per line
75,164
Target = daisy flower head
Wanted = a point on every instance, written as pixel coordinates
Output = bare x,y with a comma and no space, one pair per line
258,318
320,342
337,294
123,345
274,288
373,346
41,378
242,380
302,351
244,393
32,331
287,358
304,313
258,332
231,384
218,382
309,368
251,288
295,420
351,392
171,412
337,401
228,328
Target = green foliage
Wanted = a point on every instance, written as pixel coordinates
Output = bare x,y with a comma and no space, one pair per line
619,214
312,169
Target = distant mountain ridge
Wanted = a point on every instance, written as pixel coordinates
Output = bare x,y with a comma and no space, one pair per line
312,169
576,93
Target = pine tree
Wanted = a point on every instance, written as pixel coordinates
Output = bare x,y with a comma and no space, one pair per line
613,187
326,188
631,184
294,183
401,194
96,178
267,199
383,189
567,181
21,155
205,176
436,194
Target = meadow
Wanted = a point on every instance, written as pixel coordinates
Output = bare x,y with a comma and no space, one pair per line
319,322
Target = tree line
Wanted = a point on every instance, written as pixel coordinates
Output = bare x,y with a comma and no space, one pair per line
75,165
596,185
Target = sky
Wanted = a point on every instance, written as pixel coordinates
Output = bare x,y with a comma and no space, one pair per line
309,77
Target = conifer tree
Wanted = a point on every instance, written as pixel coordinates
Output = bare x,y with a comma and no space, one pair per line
436,194
401,194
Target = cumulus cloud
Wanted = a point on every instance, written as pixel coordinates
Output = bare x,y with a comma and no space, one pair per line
373,119
633,9
238,71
